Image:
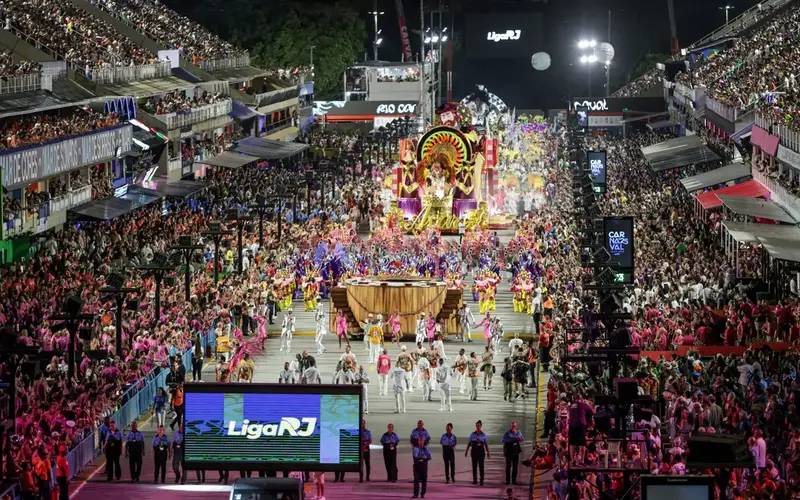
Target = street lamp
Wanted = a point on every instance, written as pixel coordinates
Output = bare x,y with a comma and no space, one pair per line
727,8
72,318
116,288
593,52
235,215
187,249
377,40
158,266
262,208
216,232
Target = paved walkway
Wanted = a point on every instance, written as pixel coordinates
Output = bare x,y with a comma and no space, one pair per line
495,413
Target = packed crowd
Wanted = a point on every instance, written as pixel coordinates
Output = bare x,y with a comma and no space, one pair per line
74,34
178,102
10,67
171,29
40,128
685,293
756,69
645,82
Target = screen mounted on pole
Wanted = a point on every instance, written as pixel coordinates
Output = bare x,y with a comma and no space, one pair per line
618,240
272,426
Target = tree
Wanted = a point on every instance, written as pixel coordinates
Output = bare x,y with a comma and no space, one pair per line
648,62
280,34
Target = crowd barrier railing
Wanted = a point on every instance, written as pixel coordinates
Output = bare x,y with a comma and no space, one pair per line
12,491
196,115
789,137
21,83
124,74
226,63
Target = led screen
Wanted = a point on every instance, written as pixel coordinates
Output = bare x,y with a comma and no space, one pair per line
618,239
596,161
270,426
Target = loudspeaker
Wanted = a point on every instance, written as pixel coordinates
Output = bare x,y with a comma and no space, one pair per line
719,450
626,390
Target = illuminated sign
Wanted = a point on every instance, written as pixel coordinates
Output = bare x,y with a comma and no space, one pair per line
391,108
504,36
597,169
272,426
598,105
618,236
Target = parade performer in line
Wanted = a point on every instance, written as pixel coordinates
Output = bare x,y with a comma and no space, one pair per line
486,286
487,325
321,327
375,334
465,320
430,328
522,288
311,284
287,330
341,328
394,328
420,330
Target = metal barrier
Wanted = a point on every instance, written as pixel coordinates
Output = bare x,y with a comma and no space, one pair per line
124,74
790,137
13,492
82,454
21,83
71,199
226,62
196,115
730,113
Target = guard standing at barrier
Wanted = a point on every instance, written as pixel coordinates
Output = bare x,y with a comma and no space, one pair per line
160,453
512,447
448,442
134,450
479,445
389,440
177,455
113,449
366,440
421,456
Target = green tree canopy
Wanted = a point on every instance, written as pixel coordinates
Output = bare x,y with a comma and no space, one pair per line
280,34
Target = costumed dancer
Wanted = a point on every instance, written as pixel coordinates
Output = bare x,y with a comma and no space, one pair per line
311,290
465,320
321,328
444,379
460,369
394,328
430,328
486,323
420,331
341,328
363,379
287,331
365,326
375,333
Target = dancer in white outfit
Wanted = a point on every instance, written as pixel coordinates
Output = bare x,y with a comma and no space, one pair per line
398,376
287,330
322,328
438,348
363,379
425,376
444,379
421,334
466,320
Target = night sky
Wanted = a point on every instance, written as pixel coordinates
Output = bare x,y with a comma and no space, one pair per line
638,27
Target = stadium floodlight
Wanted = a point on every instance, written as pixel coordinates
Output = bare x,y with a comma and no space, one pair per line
379,41
444,38
435,38
584,59
427,39
582,44
591,58
592,44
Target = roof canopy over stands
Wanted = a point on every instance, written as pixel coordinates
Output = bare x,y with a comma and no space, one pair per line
678,152
732,172
757,207
747,189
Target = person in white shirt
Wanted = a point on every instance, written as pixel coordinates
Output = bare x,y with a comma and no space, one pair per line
287,375
287,330
444,379
514,343
465,320
348,357
438,348
362,378
398,376
421,335
425,375
311,375
321,328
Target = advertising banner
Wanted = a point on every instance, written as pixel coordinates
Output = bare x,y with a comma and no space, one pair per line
24,165
503,36
618,240
596,163
401,21
272,426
